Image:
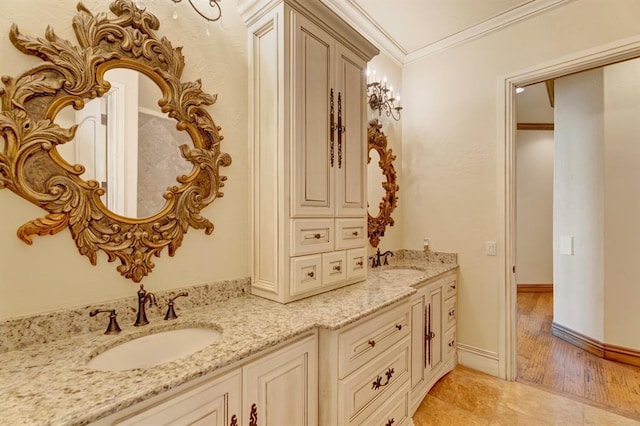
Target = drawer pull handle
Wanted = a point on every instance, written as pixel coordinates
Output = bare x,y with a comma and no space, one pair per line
390,422
452,313
354,233
430,335
399,326
310,274
360,263
372,343
234,420
377,384
452,343
452,286
337,268
312,236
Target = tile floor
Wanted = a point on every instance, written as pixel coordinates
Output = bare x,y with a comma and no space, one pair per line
467,397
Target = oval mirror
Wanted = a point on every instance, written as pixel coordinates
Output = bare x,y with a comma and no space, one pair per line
127,144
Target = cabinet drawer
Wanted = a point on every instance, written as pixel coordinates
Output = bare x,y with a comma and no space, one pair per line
334,267
365,341
350,233
356,263
311,236
306,274
364,391
449,312
393,412
450,344
450,287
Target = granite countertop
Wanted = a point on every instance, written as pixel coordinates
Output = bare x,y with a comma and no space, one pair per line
51,384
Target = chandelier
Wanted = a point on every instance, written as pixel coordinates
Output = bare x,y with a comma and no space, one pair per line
382,98
208,9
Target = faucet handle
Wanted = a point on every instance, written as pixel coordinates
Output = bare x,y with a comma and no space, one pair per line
171,313
113,327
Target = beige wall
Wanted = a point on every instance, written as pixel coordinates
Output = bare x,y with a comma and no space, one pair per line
622,204
51,274
452,169
534,198
579,203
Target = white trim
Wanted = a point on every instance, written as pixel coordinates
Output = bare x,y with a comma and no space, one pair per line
592,58
478,359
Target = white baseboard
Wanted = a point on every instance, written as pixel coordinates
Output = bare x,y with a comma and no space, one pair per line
479,359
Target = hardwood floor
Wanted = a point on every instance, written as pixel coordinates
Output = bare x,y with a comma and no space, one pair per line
555,365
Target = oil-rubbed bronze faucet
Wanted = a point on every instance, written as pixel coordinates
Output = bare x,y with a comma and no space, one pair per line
375,260
113,327
171,313
143,298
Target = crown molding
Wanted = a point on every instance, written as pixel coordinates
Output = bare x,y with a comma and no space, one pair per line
357,17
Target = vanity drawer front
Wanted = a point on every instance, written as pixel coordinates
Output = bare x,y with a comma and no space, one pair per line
306,274
449,312
364,391
450,287
350,233
356,263
394,411
450,344
311,236
362,343
334,267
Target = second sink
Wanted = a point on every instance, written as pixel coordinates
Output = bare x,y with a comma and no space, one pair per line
154,349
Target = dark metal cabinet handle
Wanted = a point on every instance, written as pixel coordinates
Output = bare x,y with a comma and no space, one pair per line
390,422
354,233
372,343
360,263
377,384
332,127
452,286
341,130
337,268
430,335
399,326
310,274
234,420
452,343
452,313
253,416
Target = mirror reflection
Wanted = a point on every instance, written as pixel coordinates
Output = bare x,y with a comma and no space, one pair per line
376,179
127,144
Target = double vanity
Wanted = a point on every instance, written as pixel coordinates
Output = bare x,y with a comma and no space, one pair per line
355,355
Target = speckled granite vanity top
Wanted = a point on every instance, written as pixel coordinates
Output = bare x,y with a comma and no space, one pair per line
49,383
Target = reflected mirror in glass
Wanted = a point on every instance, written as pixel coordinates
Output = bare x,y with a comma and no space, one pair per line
376,178
127,144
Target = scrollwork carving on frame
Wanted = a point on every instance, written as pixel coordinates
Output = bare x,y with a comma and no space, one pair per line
378,224
31,167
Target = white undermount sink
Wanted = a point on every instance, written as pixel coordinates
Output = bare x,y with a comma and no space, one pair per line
154,349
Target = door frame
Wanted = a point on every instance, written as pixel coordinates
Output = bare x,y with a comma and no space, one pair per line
599,56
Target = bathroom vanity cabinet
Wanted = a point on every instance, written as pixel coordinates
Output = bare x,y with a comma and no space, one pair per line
279,388
433,341
309,148
365,370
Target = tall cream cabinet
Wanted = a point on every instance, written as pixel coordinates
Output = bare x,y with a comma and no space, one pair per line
307,91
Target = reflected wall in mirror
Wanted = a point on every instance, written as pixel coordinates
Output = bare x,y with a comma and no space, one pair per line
94,178
382,198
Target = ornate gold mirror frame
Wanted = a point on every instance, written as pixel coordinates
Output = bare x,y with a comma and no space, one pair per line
378,142
31,166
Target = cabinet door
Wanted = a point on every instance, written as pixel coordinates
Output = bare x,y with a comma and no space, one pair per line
312,149
282,388
433,314
351,149
211,404
418,341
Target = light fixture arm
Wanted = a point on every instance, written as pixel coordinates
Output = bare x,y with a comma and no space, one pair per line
381,98
213,4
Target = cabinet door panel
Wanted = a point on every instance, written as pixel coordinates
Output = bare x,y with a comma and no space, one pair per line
313,175
351,149
281,388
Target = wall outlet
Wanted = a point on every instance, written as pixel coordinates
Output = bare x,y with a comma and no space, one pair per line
566,245
491,248
425,244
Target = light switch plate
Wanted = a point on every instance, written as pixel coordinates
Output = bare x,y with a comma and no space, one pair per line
566,245
491,248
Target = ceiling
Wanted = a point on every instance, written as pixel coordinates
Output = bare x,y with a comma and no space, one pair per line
409,29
